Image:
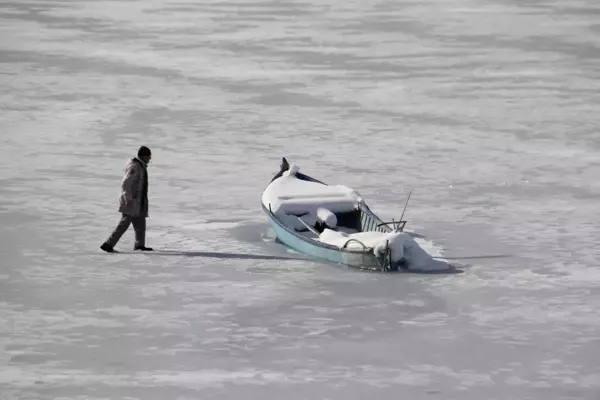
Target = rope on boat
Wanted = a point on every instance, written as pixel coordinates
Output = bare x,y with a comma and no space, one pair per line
354,240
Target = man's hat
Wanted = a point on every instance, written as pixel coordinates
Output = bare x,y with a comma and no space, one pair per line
144,152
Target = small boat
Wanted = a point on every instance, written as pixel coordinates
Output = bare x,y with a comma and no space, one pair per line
333,223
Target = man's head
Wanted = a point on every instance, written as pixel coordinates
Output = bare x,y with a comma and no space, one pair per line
144,154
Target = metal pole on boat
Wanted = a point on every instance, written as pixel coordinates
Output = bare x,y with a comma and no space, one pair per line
405,205
388,256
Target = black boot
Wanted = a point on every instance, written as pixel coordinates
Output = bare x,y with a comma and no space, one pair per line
107,248
143,248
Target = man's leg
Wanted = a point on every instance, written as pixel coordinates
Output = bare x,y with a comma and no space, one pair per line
139,225
116,234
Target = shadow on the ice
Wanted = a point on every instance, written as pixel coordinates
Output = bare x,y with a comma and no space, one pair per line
450,269
453,268
476,257
458,268
223,255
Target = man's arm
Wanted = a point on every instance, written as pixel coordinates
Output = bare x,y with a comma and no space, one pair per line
128,181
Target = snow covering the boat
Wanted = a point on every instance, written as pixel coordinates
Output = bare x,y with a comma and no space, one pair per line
402,244
291,195
326,216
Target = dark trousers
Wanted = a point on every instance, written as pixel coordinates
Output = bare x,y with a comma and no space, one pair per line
139,226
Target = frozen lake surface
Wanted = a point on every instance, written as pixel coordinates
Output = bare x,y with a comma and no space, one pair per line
487,109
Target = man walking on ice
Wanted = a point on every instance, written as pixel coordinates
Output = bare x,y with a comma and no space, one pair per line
133,202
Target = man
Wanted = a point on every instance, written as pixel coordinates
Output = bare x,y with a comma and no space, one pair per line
133,202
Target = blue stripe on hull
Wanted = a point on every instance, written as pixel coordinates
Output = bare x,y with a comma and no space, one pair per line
305,247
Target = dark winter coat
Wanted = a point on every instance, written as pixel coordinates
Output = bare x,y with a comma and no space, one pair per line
134,187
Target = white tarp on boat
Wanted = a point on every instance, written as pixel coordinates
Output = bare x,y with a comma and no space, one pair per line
290,195
370,239
401,243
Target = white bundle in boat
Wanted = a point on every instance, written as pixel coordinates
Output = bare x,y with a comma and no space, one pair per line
401,243
327,217
371,239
